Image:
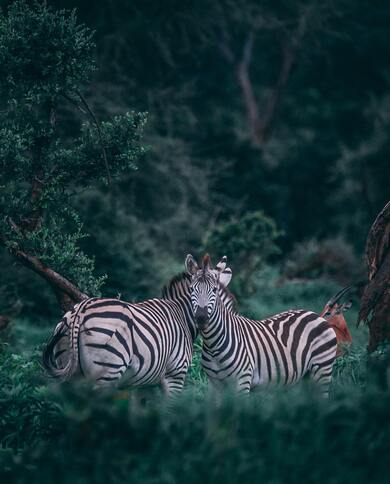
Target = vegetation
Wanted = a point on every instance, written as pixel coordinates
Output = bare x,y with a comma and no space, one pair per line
267,140
309,150
46,58
249,241
73,433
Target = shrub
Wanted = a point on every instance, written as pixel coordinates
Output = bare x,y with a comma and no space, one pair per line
283,436
248,241
330,257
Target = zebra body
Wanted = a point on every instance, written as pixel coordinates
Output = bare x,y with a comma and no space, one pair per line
111,341
107,340
281,349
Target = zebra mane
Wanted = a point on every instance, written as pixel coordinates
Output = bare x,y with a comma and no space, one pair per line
180,284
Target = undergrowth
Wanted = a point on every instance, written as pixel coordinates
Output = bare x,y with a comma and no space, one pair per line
70,433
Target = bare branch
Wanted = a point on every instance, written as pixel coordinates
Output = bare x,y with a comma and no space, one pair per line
246,84
97,124
262,121
266,123
75,103
64,289
67,293
227,52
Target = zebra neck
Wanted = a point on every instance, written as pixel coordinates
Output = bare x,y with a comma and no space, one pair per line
189,316
218,329
184,302
178,290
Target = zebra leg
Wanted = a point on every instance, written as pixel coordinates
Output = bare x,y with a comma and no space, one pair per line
244,383
172,385
321,375
217,388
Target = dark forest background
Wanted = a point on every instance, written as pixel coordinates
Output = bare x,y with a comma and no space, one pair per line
267,139
281,108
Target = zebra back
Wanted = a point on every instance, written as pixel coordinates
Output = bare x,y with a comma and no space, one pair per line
61,357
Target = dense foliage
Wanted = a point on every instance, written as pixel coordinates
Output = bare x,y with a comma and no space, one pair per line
46,57
71,433
249,241
267,141
319,169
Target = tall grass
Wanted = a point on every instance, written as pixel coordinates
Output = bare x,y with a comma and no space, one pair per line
70,433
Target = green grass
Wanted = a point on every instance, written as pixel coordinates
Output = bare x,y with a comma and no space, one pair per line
71,434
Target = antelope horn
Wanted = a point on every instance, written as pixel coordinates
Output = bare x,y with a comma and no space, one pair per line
333,300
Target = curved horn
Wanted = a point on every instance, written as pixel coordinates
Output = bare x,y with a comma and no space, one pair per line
333,300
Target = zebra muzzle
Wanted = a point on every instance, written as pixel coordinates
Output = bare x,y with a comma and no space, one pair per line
201,317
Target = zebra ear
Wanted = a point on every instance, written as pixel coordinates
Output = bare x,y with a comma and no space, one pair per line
221,264
191,265
206,262
224,273
225,276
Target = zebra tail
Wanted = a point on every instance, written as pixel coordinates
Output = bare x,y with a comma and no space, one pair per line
70,368
48,358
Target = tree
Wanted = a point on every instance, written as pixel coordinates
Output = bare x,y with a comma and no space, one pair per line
199,118
248,242
46,58
375,302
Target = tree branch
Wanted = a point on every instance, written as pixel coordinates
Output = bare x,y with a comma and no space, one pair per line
67,293
97,124
266,123
246,84
261,124
38,183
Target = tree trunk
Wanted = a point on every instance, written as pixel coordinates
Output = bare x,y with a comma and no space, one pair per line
375,301
379,324
4,321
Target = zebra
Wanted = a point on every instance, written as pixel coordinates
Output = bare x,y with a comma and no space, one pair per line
247,353
110,341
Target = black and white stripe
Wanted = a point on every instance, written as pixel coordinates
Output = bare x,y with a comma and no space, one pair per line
111,341
247,353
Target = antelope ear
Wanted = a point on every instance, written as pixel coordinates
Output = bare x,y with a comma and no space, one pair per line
191,265
346,306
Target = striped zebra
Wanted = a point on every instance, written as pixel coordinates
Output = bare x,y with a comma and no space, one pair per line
246,353
111,341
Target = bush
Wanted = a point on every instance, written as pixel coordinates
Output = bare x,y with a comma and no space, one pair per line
27,417
281,436
272,294
331,257
70,433
248,241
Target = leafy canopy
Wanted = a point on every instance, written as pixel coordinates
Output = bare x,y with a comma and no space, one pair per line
46,58
248,241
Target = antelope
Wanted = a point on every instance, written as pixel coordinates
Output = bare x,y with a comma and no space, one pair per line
333,313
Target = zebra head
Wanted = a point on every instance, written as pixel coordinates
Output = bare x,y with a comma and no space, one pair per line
205,285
